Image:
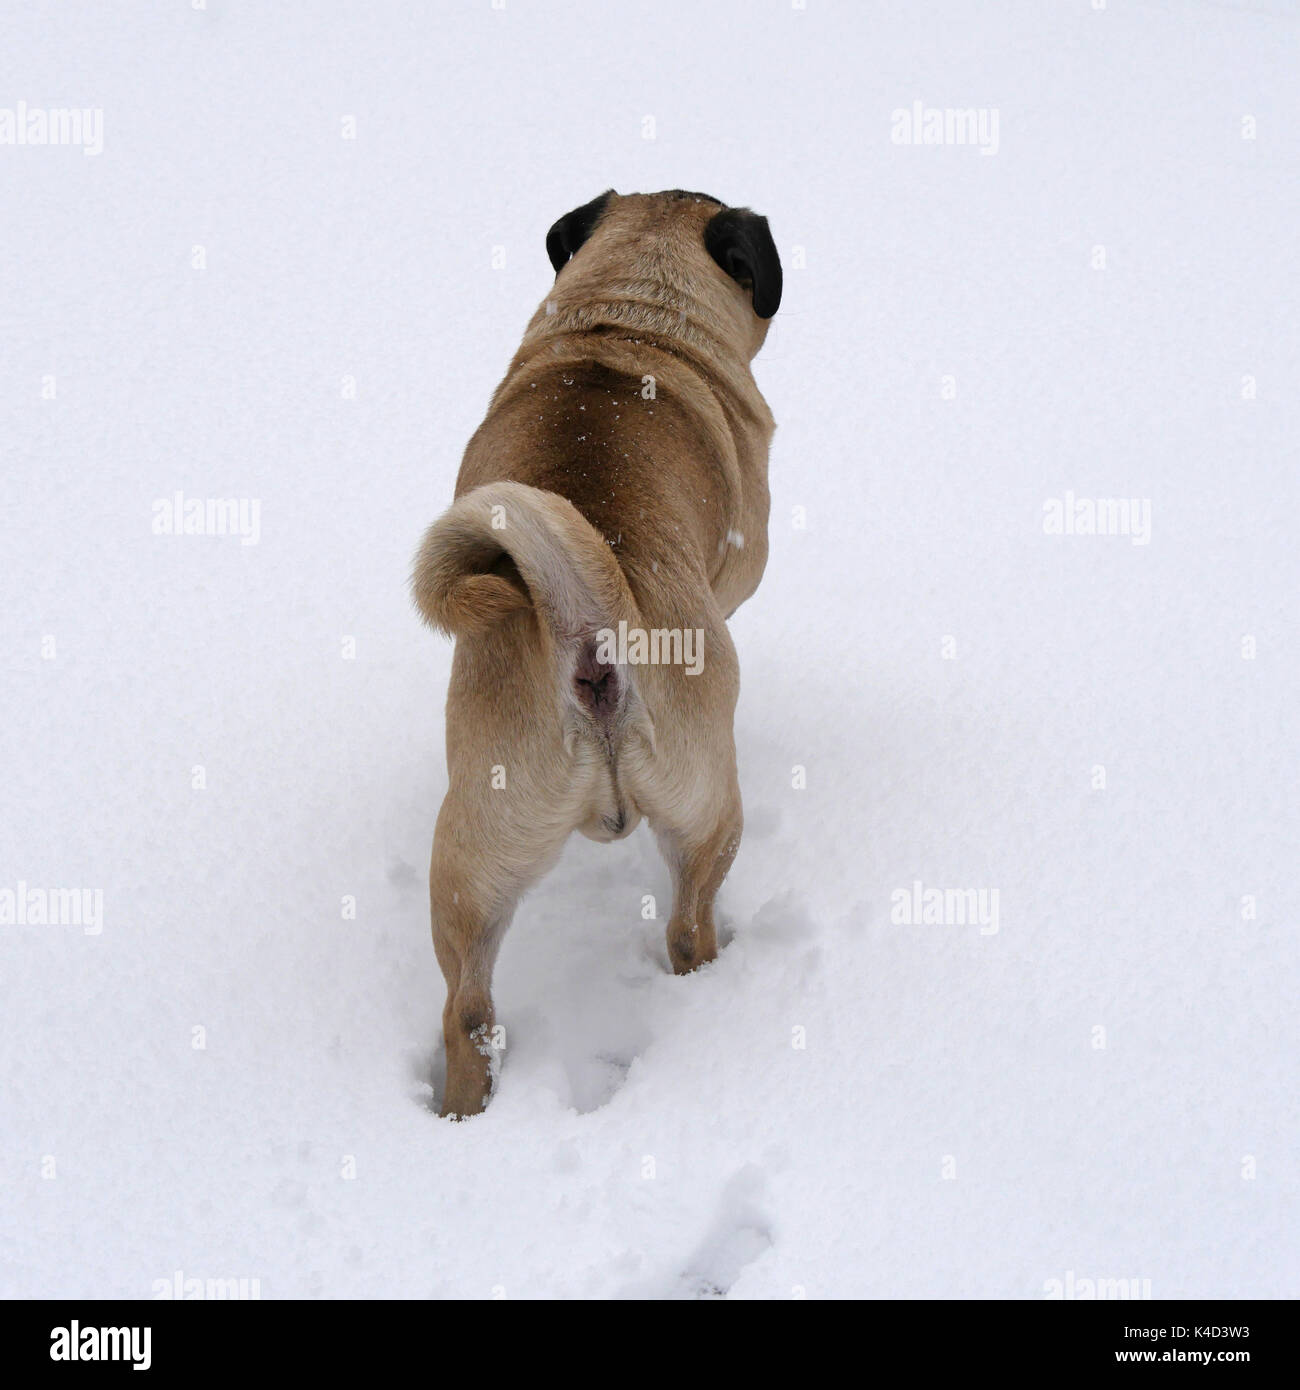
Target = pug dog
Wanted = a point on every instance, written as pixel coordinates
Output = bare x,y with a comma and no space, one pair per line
609,516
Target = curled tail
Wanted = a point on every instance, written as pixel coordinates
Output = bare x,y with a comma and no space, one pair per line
506,547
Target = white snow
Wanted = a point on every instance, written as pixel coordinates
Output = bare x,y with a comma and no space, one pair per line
948,675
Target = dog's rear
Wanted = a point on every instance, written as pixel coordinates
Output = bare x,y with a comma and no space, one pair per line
618,484
509,551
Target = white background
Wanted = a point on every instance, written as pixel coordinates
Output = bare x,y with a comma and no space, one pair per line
929,1049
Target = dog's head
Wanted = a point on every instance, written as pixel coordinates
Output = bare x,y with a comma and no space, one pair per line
674,245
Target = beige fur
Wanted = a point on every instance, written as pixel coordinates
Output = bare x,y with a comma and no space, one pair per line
586,499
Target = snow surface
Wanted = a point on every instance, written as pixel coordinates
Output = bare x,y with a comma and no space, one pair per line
952,1126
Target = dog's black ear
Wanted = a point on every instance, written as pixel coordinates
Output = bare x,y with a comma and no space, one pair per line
740,242
567,236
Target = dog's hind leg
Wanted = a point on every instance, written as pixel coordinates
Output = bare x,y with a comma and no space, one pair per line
485,856
469,919
699,856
